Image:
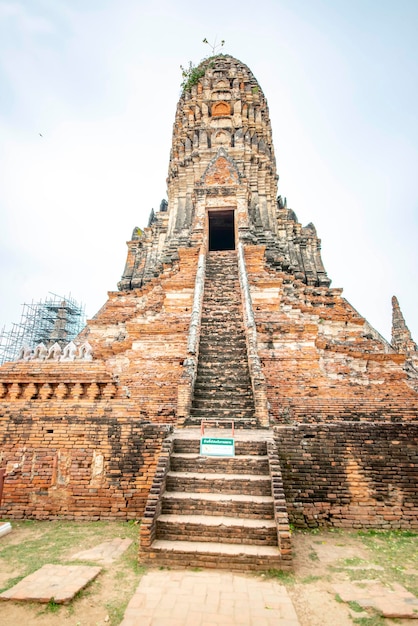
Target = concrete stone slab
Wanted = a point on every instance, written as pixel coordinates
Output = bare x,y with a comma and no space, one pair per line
59,583
394,601
105,552
165,598
5,528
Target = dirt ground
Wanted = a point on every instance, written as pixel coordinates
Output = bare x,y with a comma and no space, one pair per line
321,560
325,559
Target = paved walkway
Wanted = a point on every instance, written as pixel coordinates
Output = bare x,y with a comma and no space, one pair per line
206,598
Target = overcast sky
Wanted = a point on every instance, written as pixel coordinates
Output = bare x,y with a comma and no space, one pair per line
100,80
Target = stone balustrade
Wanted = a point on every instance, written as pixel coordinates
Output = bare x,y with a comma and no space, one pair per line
70,352
43,391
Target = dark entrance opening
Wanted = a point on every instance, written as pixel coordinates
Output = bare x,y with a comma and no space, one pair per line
221,230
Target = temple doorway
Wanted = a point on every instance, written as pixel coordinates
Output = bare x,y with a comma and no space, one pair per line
221,230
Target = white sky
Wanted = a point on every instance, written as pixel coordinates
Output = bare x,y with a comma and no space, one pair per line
100,80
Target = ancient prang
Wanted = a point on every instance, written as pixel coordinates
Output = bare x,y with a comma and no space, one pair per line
224,314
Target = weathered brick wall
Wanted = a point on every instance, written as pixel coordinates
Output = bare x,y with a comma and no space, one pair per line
321,359
350,475
90,466
81,439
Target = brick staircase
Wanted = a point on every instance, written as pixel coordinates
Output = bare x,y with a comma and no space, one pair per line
215,511
223,389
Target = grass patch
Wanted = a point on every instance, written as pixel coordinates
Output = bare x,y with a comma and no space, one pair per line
115,611
374,620
310,579
355,606
364,574
128,562
397,552
354,562
52,607
11,583
287,578
56,542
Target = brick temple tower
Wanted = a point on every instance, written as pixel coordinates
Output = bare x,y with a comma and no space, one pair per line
222,183
224,314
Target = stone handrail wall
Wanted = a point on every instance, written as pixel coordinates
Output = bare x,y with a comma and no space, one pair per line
279,502
258,380
154,501
188,378
73,391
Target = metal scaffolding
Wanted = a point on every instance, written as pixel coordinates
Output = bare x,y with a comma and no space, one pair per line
56,319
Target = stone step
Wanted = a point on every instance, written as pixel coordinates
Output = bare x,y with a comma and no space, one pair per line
228,349
227,346
219,483
224,370
193,462
177,502
219,287
240,557
217,314
233,371
213,303
224,424
225,373
217,529
223,398
215,330
234,362
226,384
227,341
228,270
222,387
222,293
221,414
224,354
206,384
225,323
207,381
226,263
213,388
236,341
217,308
246,405
224,404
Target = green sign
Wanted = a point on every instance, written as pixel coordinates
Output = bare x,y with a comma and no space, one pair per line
217,446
